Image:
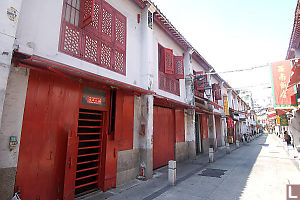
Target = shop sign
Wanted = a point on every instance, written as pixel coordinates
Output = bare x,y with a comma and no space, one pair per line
284,97
283,120
242,117
225,102
93,97
235,117
12,14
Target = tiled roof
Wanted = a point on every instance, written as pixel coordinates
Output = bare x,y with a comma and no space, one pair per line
295,36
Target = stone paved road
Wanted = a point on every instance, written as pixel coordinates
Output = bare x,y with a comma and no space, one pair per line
256,171
259,170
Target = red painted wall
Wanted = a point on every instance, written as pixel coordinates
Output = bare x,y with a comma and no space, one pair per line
122,139
50,113
179,125
124,120
204,126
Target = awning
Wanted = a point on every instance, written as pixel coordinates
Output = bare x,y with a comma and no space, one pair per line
203,111
164,101
210,102
42,64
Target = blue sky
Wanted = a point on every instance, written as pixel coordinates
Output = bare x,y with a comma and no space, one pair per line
235,34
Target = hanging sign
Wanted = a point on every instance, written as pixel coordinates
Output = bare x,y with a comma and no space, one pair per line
278,120
93,97
225,102
284,97
283,120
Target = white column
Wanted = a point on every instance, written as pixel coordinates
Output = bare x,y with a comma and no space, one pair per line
148,65
188,74
146,141
148,69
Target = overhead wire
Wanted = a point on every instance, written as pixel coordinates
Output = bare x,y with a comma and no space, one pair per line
240,70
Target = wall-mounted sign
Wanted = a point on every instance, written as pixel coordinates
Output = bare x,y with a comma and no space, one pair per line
93,97
12,14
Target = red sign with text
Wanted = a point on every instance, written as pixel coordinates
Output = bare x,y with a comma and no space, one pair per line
284,97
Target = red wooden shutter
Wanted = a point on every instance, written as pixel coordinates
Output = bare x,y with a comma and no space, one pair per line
107,22
120,30
200,84
86,12
169,66
161,58
179,67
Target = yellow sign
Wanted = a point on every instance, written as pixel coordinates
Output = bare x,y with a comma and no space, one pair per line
225,101
278,120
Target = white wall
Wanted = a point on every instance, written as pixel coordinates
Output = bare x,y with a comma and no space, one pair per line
162,38
7,37
39,33
13,116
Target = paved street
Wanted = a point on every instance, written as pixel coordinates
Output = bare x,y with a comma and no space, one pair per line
257,170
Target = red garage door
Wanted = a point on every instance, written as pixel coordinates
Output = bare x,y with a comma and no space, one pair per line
163,136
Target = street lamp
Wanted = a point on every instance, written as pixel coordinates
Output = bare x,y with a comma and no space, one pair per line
208,91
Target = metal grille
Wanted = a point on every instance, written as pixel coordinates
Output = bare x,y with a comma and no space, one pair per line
217,173
90,133
71,14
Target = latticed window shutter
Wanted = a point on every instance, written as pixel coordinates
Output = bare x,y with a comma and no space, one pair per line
179,67
86,12
107,22
169,63
161,58
201,83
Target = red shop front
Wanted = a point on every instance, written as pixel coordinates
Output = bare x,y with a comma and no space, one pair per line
168,129
71,134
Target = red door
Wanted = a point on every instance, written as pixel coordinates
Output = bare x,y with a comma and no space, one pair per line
50,115
163,136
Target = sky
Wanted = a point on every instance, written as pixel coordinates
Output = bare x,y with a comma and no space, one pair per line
236,34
